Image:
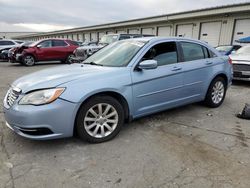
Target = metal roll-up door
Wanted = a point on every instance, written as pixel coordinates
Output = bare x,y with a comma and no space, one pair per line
185,30
148,31
242,29
133,31
210,33
93,36
164,31
121,32
100,35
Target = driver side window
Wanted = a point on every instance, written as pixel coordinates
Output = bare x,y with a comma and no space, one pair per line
164,53
46,44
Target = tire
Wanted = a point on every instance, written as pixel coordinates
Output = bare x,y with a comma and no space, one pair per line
28,60
216,92
68,59
95,127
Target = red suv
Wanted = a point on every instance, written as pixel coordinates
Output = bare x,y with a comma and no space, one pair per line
47,50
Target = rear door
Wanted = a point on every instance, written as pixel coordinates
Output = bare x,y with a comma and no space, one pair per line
159,88
197,67
60,49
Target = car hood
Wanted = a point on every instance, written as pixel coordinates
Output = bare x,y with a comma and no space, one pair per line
240,57
91,47
54,77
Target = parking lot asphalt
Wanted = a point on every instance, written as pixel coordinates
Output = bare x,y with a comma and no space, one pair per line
192,146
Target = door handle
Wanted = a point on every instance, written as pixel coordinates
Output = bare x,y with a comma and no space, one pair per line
176,68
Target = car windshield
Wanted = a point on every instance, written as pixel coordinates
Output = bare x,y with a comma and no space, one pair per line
118,54
108,39
224,48
244,50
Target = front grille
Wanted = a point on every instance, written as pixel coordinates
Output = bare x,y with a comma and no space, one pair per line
11,96
241,67
80,53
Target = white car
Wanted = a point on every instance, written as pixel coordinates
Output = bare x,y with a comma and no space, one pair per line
241,63
8,43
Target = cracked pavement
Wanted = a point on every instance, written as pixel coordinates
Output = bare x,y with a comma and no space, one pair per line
188,147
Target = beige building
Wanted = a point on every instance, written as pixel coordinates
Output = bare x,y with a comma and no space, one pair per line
217,26
10,35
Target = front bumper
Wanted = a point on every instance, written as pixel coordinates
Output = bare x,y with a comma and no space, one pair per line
51,121
241,75
19,57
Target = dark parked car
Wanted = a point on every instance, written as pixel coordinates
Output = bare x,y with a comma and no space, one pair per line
47,50
228,49
83,52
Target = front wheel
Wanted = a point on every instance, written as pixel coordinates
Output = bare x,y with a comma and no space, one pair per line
216,92
28,60
100,119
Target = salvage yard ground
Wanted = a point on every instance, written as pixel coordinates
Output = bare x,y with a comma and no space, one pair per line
191,146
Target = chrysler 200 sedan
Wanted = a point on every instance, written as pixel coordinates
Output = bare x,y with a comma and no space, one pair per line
123,81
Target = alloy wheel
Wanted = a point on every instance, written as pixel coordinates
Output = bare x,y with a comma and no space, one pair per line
101,120
218,92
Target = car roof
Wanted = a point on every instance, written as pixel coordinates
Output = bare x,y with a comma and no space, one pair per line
155,39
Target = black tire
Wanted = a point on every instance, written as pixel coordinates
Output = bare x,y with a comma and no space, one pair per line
28,60
68,59
209,100
85,111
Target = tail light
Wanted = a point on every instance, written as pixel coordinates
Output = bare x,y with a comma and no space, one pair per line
230,61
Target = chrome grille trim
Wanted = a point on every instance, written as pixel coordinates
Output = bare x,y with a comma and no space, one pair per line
11,97
241,67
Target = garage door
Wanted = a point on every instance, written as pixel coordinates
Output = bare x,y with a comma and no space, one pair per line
164,31
210,32
81,37
185,30
148,31
133,31
74,36
94,36
87,37
242,29
110,32
121,32
100,35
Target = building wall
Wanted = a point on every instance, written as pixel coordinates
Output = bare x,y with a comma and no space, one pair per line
174,22
10,35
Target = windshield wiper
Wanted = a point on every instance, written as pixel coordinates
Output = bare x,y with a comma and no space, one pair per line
93,63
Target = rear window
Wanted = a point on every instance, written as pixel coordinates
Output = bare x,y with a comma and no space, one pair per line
58,43
192,51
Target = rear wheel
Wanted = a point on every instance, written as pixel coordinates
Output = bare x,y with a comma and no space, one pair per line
68,60
100,119
216,92
28,60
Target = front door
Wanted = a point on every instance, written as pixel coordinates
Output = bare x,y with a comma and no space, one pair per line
44,51
160,88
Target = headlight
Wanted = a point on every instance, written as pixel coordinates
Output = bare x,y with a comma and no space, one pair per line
42,96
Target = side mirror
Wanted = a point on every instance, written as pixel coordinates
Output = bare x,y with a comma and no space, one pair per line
148,64
39,46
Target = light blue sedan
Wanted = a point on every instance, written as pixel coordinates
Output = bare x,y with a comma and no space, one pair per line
123,81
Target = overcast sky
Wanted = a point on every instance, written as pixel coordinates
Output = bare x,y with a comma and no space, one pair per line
49,15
